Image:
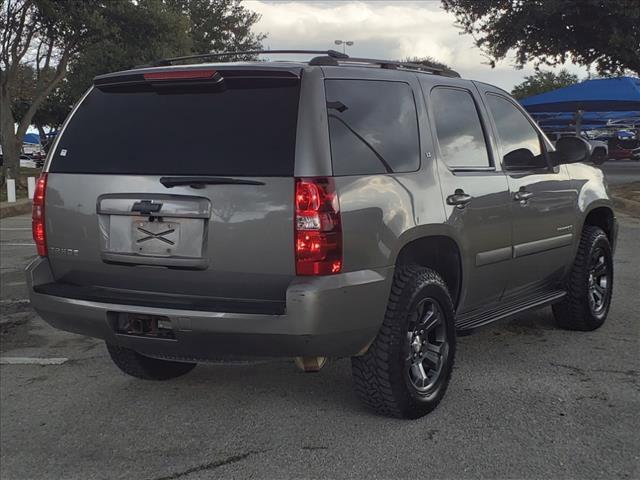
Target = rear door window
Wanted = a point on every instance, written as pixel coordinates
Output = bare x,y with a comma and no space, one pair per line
243,129
373,127
458,128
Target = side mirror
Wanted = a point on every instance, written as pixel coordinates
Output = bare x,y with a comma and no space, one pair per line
519,158
571,150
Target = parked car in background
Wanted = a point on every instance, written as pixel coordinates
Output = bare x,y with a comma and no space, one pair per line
599,149
621,143
33,159
333,208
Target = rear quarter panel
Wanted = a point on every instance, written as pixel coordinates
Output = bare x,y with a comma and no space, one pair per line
382,213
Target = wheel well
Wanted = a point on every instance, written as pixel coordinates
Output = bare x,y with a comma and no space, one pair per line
601,217
439,253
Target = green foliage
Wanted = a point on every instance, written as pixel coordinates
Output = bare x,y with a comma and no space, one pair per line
605,34
427,61
543,81
219,25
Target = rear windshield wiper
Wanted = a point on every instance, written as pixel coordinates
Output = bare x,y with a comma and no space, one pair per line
200,182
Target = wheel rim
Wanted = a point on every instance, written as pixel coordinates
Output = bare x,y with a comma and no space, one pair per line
427,345
599,281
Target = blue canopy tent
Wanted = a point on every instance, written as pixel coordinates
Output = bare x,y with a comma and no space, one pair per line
600,95
602,101
32,138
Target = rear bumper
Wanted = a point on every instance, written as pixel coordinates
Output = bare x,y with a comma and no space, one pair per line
337,315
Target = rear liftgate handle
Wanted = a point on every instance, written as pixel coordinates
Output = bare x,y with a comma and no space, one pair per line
459,199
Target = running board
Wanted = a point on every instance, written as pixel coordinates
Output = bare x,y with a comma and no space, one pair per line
473,320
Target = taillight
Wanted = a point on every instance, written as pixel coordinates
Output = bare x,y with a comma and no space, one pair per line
318,229
37,218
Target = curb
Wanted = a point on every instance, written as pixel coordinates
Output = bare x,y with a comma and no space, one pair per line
20,207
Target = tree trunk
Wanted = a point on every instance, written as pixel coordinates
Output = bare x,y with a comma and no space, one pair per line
10,142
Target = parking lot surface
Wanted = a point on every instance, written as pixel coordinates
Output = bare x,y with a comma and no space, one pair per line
619,172
527,400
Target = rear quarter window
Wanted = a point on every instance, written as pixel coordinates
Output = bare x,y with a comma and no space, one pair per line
244,129
373,127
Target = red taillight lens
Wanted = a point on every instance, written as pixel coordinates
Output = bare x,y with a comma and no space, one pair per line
37,218
318,229
180,75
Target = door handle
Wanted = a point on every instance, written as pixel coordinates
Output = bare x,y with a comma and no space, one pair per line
459,199
522,196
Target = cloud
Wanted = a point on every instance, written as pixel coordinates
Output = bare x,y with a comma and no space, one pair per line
394,29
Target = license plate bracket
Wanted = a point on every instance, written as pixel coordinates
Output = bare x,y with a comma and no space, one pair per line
155,238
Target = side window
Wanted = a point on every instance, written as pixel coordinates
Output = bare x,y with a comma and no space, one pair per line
373,127
521,147
458,128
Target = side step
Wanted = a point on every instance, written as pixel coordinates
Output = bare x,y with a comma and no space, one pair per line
477,319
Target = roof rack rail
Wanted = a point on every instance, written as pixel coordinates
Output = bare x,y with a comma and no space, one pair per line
388,64
170,61
326,57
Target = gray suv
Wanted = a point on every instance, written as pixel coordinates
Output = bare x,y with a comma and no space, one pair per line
340,207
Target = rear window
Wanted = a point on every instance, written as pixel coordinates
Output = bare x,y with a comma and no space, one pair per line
373,127
245,129
458,128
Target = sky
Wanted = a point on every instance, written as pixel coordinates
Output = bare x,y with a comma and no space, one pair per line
384,29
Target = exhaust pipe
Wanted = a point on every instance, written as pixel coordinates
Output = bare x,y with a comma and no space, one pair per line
310,364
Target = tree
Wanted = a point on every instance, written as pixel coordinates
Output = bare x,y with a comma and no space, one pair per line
427,62
220,25
543,81
605,34
46,34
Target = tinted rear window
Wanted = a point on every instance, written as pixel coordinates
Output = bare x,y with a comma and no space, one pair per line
458,128
242,130
373,127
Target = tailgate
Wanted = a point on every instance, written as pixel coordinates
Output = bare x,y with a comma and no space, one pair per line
231,241
113,222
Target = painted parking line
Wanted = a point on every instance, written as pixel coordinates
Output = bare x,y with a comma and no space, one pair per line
18,244
32,361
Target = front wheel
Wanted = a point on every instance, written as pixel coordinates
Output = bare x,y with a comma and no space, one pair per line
140,366
407,368
590,284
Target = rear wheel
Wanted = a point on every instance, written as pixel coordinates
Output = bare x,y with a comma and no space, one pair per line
590,284
139,366
406,370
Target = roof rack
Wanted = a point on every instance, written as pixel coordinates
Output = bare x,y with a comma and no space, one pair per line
387,64
170,61
326,58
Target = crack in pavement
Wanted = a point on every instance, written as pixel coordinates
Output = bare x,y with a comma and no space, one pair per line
211,465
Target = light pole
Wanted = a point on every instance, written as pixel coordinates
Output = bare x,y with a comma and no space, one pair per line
344,43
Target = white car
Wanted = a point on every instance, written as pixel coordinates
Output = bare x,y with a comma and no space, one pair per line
599,149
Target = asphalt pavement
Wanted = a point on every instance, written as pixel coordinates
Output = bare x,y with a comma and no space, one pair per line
619,172
527,400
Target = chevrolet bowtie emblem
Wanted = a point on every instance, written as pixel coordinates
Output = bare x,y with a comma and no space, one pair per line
146,207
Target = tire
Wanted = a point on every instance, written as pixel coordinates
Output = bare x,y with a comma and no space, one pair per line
591,277
599,157
147,368
387,377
